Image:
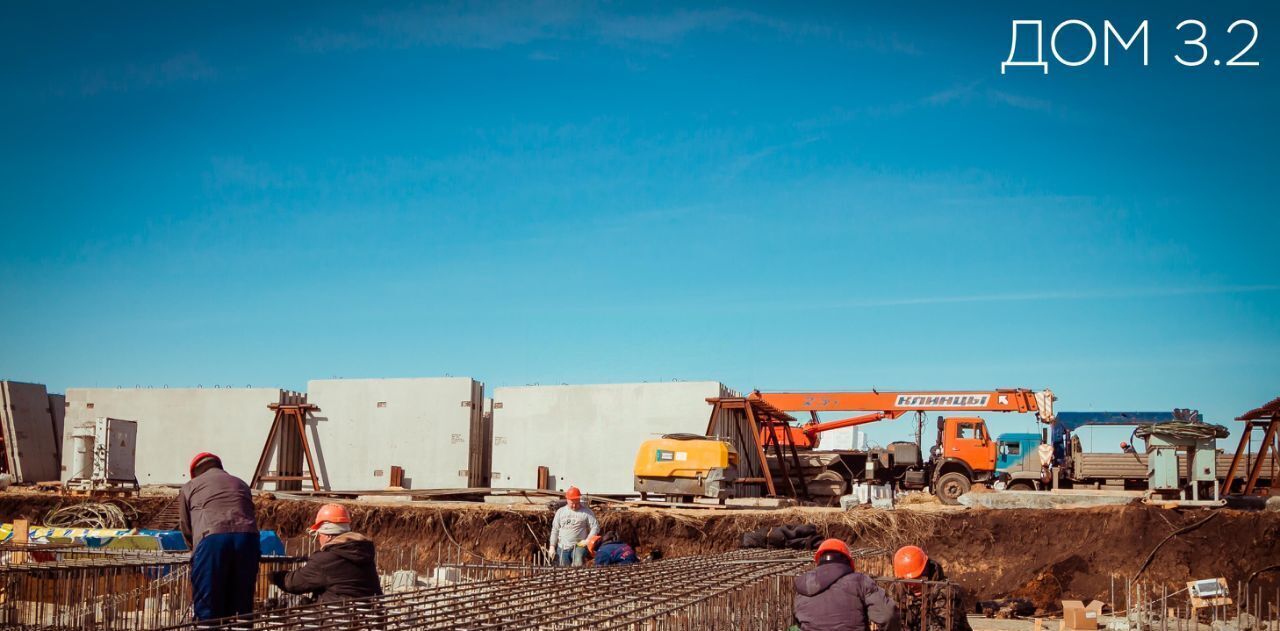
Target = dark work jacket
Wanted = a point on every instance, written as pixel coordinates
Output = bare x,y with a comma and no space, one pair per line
343,569
833,597
615,553
215,502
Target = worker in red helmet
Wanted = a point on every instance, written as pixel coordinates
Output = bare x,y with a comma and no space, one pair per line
572,526
920,577
345,567
834,596
215,515
1125,447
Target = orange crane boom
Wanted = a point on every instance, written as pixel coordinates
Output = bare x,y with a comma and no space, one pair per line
890,405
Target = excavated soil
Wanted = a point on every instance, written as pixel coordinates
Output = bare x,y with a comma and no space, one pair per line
1042,555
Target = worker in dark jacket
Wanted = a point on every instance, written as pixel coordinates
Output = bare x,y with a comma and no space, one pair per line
215,515
344,568
911,563
834,596
610,550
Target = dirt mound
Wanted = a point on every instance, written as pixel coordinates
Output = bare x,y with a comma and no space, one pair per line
1041,555
34,506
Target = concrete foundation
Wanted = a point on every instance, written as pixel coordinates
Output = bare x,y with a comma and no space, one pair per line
28,426
428,426
588,435
175,424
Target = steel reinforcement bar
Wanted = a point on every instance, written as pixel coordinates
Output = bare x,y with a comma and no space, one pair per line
60,589
746,589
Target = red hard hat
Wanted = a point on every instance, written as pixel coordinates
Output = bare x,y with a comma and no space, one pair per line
573,493
331,513
201,456
592,543
834,545
909,562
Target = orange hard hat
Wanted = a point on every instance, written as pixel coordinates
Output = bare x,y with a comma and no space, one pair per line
331,513
833,545
201,456
909,562
1123,444
573,493
592,542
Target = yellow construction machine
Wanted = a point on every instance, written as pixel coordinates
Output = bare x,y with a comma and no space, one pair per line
681,466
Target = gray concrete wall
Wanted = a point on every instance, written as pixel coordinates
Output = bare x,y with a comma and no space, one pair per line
365,426
175,424
31,448
588,435
58,410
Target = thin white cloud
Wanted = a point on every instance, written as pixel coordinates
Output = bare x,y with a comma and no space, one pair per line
502,24
1069,295
184,67
1019,101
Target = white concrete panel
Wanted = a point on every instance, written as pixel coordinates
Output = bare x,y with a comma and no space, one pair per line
365,426
588,435
31,448
175,424
843,438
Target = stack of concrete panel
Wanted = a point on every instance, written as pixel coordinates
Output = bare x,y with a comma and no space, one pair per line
28,425
175,424
588,435
430,427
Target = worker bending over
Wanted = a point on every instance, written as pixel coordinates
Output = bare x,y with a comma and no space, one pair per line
911,562
344,567
610,550
215,515
573,524
834,596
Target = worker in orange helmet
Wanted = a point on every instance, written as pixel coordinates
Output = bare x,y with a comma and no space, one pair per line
834,596
216,517
610,549
572,526
345,566
913,567
1125,447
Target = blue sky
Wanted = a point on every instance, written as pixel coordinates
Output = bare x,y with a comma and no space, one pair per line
839,196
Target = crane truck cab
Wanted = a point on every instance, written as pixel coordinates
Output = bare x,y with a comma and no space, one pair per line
964,454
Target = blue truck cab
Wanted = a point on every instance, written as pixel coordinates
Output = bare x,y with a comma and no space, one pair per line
1017,461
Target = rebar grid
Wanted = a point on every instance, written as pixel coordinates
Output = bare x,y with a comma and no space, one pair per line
124,590
746,589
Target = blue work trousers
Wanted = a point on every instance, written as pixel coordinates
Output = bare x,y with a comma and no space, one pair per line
224,571
575,556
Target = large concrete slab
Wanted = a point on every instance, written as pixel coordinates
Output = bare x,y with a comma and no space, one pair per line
588,435
175,424
425,425
1047,499
31,449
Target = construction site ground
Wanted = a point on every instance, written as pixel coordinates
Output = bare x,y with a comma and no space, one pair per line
1044,556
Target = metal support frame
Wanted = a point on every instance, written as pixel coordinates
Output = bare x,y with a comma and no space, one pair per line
757,438
733,411
287,415
1267,418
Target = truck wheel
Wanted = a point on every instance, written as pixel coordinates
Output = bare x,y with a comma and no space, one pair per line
950,487
1022,485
